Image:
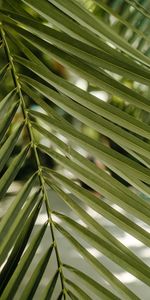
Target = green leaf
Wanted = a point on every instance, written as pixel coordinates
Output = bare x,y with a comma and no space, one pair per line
108,46
12,171
28,91
9,145
61,21
35,279
103,209
85,18
22,267
71,295
99,229
133,206
121,19
3,71
12,234
77,48
48,290
112,252
7,120
93,285
66,24
6,102
60,296
109,277
89,101
15,207
114,160
88,165
15,6
79,291
96,77
91,119
12,263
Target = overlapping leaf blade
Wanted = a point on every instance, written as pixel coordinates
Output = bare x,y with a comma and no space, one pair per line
80,41
22,267
33,283
11,264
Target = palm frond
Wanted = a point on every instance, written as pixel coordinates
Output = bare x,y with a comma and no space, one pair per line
111,57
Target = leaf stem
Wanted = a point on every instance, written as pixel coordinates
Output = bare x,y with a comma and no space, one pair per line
39,167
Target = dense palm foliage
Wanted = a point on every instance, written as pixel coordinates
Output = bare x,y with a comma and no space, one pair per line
106,43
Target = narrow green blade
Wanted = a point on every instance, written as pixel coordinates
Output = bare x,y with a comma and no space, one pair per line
100,230
12,234
6,102
12,171
93,285
48,291
15,207
36,277
121,288
22,267
103,209
9,145
7,120
12,263
124,261
78,290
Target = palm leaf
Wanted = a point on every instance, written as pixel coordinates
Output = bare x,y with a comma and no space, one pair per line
35,35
